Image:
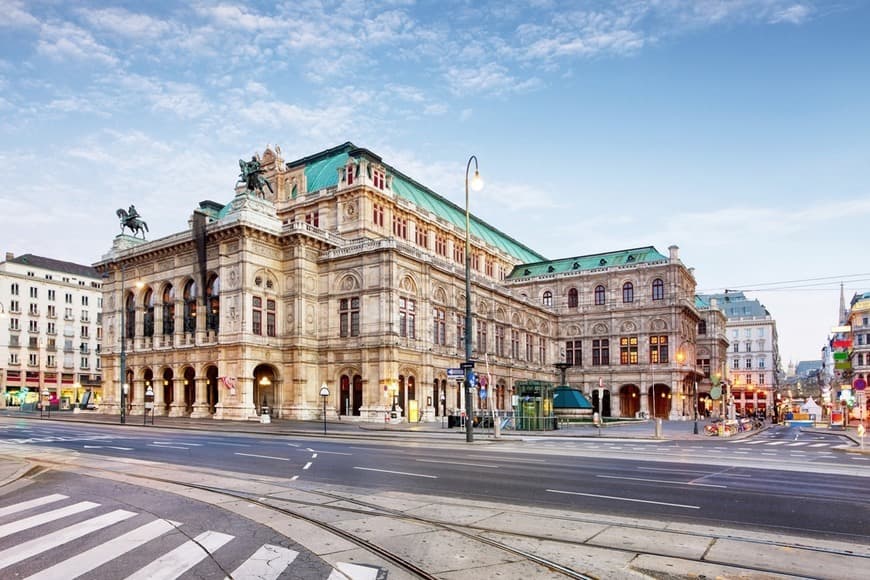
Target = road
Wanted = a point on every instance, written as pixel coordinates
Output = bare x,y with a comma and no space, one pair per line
781,480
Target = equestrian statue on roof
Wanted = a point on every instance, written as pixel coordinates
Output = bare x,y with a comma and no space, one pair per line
252,177
131,219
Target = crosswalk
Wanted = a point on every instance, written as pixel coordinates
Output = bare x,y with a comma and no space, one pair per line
52,540
788,443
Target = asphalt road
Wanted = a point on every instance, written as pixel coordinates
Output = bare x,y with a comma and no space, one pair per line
766,482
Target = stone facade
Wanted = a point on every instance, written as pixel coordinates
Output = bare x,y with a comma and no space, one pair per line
352,275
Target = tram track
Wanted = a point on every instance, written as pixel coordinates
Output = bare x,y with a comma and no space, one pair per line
293,508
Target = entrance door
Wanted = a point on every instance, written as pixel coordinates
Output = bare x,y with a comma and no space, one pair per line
344,395
629,401
357,399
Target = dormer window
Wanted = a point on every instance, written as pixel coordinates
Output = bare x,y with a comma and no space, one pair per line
378,179
350,173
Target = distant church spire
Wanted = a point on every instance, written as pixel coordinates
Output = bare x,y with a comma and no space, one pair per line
844,315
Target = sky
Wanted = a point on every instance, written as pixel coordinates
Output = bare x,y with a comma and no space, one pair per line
738,130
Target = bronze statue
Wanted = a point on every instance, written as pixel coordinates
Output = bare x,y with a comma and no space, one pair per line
132,220
252,177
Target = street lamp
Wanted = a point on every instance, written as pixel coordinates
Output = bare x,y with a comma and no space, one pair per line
324,392
476,185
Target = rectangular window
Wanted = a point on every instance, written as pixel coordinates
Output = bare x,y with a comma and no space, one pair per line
34,292
378,178
85,316
34,326
34,309
515,344
748,363
84,333
658,349
348,316
67,314
52,312
542,349
84,300
441,246
735,364
628,350
257,316
407,318
33,360
481,336
760,378
439,327
530,351
378,215
51,360
736,347
14,289
270,318
460,332
574,353
67,298
400,227
313,218
600,352
459,253
475,262
422,237
51,295
489,267
499,340
84,363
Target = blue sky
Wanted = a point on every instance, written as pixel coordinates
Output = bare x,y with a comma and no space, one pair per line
738,130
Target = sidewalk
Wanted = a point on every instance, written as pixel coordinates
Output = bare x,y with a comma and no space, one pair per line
671,430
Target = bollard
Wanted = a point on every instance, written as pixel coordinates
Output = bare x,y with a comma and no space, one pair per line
658,428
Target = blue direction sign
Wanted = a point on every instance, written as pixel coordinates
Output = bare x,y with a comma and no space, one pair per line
455,374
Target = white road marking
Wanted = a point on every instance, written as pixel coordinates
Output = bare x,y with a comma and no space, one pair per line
267,563
675,470
182,558
28,549
177,443
107,447
26,505
169,447
693,507
39,519
396,472
798,444
263,456
84,562
661,481
307,465
328,452
344,571
777,443
458,463
294,478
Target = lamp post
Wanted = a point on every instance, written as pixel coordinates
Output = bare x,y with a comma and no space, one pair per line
476,184
324,392
681,357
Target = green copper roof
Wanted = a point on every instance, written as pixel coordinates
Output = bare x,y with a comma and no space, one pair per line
701,302
321,171
585,263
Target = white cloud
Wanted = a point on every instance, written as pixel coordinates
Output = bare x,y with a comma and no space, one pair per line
66,41
125,23
795,14
491,78
15,15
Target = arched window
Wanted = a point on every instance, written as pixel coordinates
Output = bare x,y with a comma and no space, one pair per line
130,313
573,300
148,321
628,292
168,309
190,293
548,298
658,289
213,299
599,295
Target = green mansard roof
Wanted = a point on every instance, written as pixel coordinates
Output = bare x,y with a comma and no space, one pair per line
645,255
321,171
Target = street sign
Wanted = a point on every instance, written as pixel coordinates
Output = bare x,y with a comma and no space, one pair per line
843,365
841,356
455,374
842,343
859,384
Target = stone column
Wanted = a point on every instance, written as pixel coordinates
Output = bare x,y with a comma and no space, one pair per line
159,403
200,405
177,408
